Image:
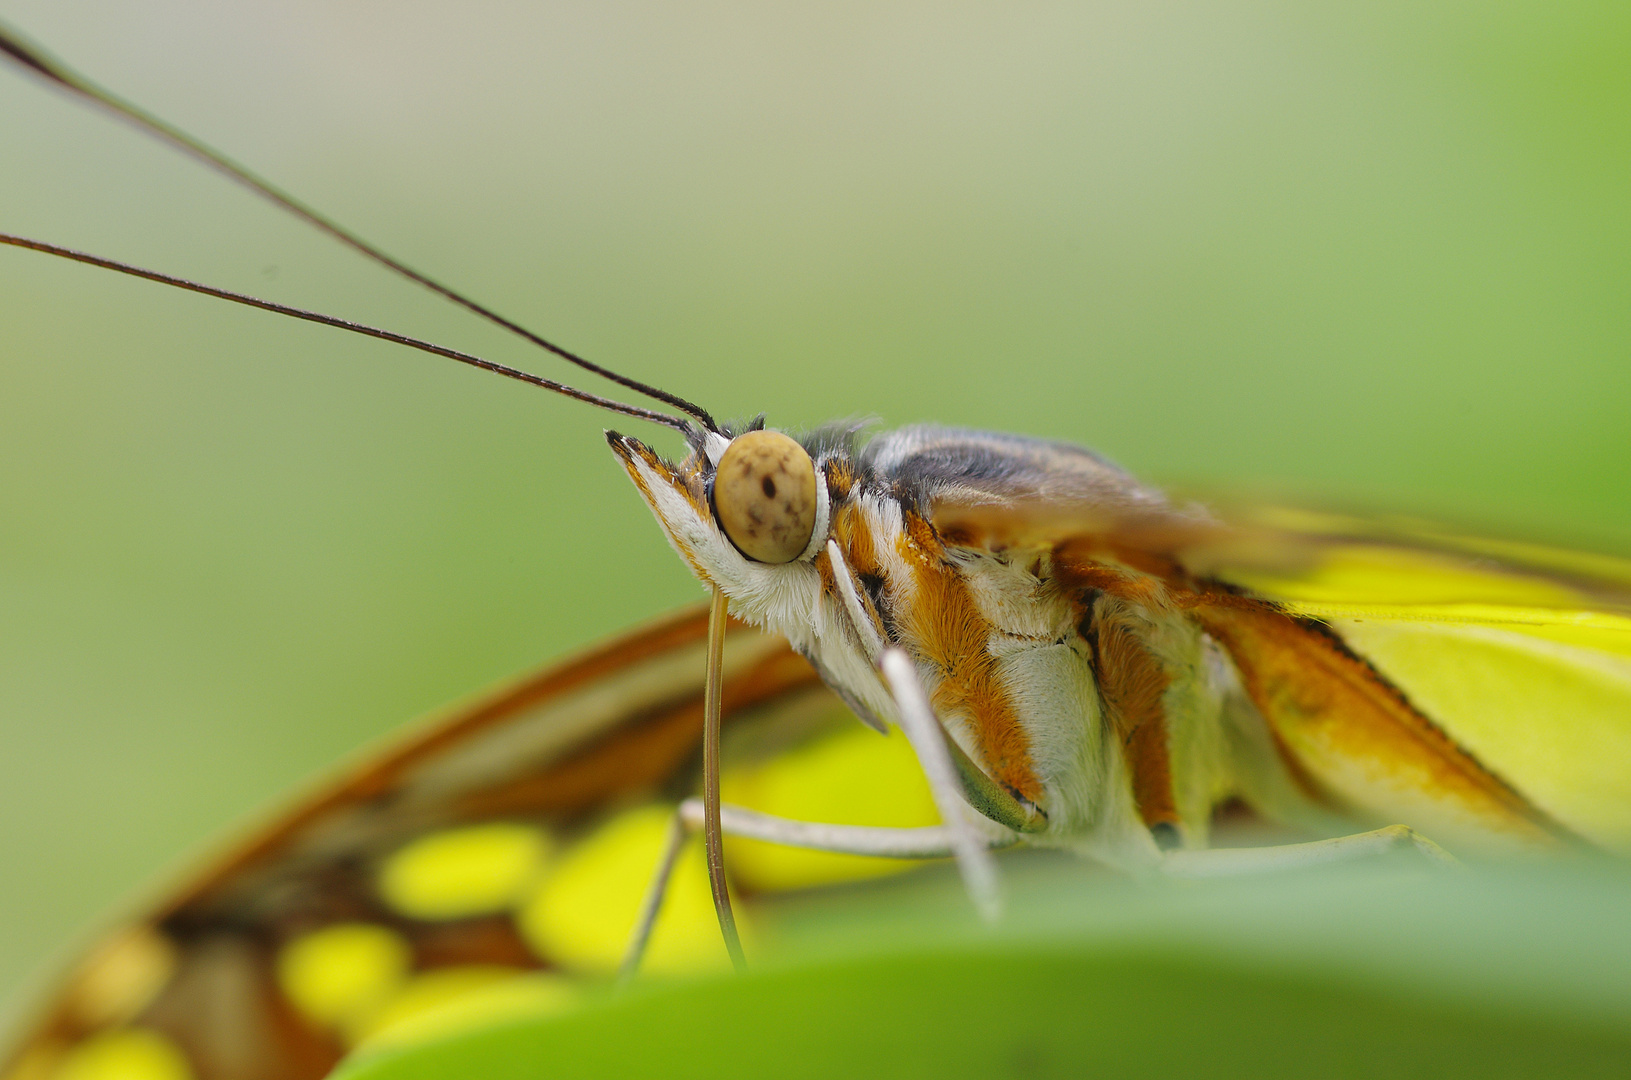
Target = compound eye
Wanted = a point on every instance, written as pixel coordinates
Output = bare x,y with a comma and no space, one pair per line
765,496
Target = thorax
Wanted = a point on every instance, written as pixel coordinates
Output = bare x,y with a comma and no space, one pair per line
1008,649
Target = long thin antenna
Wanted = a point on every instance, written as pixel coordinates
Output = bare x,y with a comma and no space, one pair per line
355,327
30,57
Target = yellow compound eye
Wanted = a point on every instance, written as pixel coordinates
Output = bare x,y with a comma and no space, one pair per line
765,496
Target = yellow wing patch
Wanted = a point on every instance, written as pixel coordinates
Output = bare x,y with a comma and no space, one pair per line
337,975
1519,653
121,977
853,776
1291,529
446,1001
476,870
1369,575
583,911
1378,582
124,1054
1550,715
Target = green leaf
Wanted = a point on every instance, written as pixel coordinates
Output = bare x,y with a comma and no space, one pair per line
1377,971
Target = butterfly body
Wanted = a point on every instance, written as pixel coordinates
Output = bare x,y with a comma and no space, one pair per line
1114,694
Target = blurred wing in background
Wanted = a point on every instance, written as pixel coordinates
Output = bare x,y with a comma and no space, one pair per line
488,865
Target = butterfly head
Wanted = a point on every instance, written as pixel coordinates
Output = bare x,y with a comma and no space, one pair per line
748,511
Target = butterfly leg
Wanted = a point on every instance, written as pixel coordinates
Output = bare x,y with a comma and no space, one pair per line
882,842
957,786
1228,862
929,741
926,842
652,905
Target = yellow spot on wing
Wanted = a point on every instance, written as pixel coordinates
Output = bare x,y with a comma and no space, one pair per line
450,1000
583,912
339,973
125,1054
852,777
463,872
122,977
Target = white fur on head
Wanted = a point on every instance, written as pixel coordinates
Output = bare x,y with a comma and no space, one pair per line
784,597
787,598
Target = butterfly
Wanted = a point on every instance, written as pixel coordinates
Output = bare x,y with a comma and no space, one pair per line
1544,607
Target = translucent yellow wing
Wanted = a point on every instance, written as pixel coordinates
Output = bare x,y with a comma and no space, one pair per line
1520,652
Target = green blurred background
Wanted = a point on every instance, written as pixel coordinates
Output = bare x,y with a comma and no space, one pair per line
1376,252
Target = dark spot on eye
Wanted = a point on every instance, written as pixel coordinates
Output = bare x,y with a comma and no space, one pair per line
769,486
